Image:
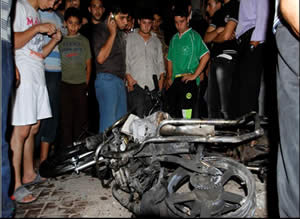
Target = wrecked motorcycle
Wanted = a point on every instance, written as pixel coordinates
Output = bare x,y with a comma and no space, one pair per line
164,167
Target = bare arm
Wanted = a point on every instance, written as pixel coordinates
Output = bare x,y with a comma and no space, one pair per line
168,80
21,38
290,12
130,81
106,48
88,70
161,81
190,77
52,43
210,34
227,34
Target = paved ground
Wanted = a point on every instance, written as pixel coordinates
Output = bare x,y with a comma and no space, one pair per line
73,196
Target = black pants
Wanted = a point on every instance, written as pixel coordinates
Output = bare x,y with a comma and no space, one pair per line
182,96
138,102
249,72
220,87
74,109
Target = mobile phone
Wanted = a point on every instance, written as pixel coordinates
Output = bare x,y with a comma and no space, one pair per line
112,16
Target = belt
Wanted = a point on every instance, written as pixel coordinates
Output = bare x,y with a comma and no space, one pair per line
181,75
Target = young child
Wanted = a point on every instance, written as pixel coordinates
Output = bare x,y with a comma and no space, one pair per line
76,69
31,102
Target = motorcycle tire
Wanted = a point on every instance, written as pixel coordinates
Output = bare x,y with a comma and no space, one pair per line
246,204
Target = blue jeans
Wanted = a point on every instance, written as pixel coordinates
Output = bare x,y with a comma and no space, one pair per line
111,97
288,115
7,80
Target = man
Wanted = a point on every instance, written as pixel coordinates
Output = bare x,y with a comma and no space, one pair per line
96,9
286,28
251,34
49,127
187,58
109,49
156,28
144,58
31,101
7,76
220,34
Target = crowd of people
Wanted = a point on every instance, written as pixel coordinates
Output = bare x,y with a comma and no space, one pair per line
66,72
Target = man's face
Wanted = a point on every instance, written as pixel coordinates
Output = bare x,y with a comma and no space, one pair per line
181,24
212,7
156,22
130,22
72,3
73,26
121,20
145,25
96,9
46,4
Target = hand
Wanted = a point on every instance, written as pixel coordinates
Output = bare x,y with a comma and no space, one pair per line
47,28
167,83
111,25
254,43
232,37
188,77
57,36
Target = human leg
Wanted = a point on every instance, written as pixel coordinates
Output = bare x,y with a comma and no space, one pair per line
288,114
250,69
28,168
80,110
107,92
224,73
48,127
7,80
188,98
213,100
19,135
66,115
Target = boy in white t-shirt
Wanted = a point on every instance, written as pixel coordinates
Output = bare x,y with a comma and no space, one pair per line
30,101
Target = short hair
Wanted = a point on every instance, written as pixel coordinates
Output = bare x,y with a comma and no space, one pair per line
73,12
145,13
116,9
90,1
182,12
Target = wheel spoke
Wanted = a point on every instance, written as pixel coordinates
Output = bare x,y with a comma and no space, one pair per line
178,198
226,176
232,197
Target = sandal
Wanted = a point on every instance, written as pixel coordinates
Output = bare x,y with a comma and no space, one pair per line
21,193
37,180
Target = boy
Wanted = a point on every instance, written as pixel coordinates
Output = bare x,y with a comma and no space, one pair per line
31,101
76,69
143,49
187,58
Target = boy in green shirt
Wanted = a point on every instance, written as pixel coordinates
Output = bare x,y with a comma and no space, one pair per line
187,58
76,69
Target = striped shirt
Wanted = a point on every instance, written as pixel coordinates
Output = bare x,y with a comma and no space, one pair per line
5,20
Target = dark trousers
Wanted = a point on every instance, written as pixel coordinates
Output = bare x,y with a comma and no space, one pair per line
220,87
74,109
49,127
250,67
182,96
138,102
